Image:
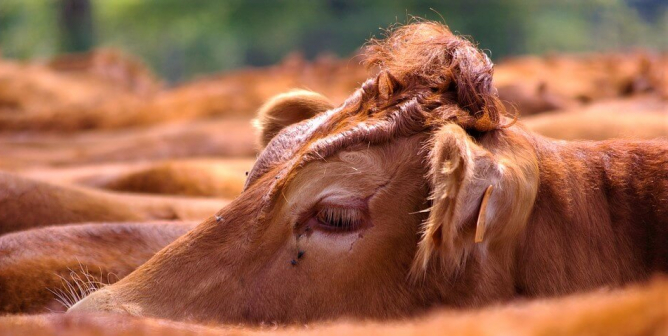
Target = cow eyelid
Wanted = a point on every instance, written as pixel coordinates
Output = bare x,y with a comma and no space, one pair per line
340,219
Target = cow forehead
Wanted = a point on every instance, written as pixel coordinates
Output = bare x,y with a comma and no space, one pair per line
352,123
291,139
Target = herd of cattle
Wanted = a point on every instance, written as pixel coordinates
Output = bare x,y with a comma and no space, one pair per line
109,176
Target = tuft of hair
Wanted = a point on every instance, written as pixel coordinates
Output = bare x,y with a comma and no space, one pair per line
80,284
428,55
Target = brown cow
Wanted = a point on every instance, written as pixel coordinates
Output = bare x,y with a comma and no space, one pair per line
644,117
34,279
26,204
106,90
631,311
536,84
220,138
416,192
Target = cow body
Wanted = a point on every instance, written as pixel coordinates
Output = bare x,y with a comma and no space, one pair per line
600,216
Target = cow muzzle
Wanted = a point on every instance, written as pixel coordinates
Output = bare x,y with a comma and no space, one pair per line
103,301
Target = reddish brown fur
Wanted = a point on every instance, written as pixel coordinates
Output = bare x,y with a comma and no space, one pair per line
632,311
643,117
105,251
428,132
612,227
287,109
195,177
219,138
563,216
208,179
26,204
537,84
106,90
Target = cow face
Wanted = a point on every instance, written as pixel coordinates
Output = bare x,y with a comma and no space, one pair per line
370,209
337,237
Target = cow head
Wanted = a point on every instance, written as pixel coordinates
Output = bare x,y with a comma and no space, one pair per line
400,199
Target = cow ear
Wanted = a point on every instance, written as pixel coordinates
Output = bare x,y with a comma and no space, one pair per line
478,195
387,85
286,109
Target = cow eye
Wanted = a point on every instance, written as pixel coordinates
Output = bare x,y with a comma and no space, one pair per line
338,219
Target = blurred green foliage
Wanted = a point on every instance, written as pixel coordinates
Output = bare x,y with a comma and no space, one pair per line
181,39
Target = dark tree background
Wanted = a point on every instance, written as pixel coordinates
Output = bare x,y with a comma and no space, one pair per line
76,25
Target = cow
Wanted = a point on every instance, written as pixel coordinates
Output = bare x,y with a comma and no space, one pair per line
420,190
29,204
637,310
50,268
644,117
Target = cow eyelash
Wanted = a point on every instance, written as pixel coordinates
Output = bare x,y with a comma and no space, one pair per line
340,219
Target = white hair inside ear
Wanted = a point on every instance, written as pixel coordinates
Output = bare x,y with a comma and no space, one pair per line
478,195
482,218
